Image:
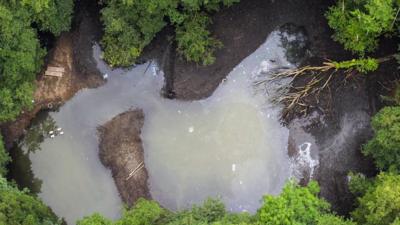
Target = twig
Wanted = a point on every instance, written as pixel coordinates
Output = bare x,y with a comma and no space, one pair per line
140,166
395,18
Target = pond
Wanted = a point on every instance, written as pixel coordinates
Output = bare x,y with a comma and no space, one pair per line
230,145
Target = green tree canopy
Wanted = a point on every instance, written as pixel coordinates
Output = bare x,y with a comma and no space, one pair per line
381,203
384,146
20,59
51,15
358,24
21,55
4,158
295,205
19,208
130,25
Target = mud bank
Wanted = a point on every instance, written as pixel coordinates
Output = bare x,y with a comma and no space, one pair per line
72,51
121,150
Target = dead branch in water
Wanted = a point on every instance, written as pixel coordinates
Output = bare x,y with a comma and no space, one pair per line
319,80
140,166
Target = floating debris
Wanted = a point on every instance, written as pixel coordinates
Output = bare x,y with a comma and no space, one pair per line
51,132
52,136
62,132
233,167
59,129
105,76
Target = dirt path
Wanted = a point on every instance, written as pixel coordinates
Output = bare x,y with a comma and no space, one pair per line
121,150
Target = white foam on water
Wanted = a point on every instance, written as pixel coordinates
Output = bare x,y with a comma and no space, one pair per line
303,162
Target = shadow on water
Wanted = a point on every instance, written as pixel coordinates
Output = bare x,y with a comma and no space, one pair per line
20,170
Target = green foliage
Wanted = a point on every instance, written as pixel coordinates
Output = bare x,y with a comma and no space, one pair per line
20,60
19,208
396,222
51,15
381,203
194,41
95,219
384,146
295,205
211,211
4,158
143,213
21,56
363,65
358,24
130,25
359,184
393,99
330,219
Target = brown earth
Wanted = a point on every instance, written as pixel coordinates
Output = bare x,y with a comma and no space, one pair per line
73,51
121,150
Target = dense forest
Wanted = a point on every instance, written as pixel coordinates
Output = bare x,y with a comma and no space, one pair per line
129,26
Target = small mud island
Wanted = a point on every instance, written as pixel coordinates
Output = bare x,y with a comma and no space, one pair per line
121,150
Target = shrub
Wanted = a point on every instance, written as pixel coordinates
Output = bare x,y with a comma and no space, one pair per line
95,219
4,158
194,41
330,219
359,184
51,15
361,65
143,213
131,25
19,208
295,205
358,24
384,146
21,56
381,203
20,59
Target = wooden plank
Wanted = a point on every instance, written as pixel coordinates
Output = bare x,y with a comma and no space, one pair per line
54,74
56,69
